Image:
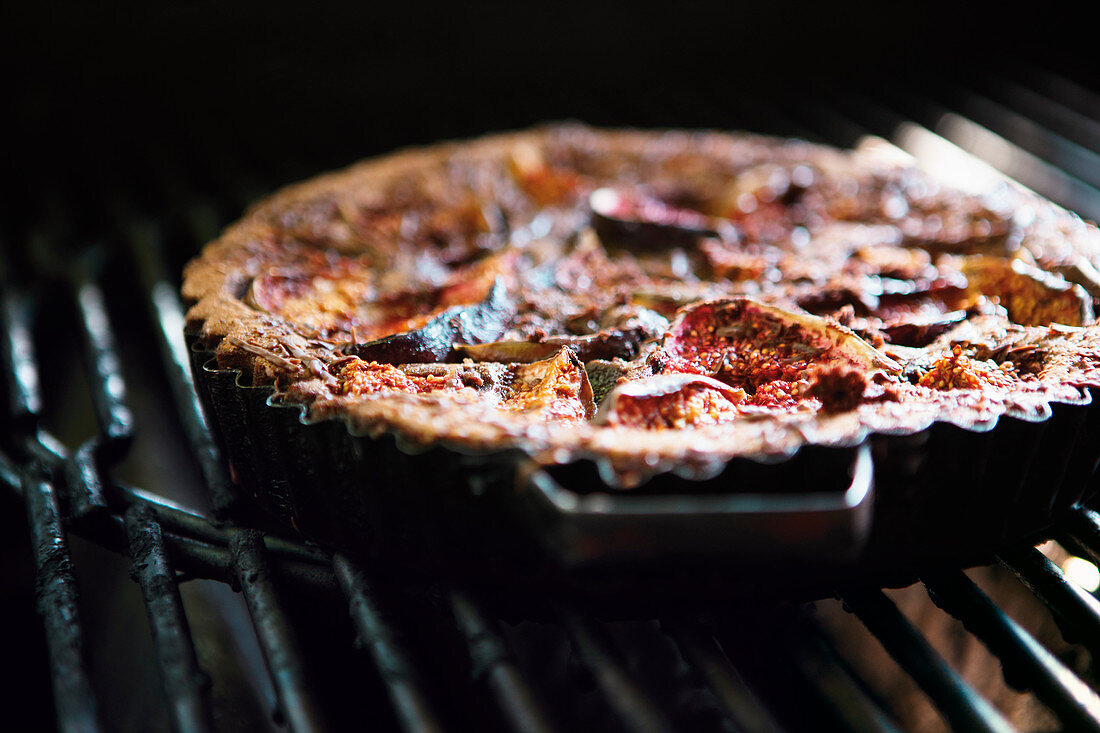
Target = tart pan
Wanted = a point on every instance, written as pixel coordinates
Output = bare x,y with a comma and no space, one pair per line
365,494
885,509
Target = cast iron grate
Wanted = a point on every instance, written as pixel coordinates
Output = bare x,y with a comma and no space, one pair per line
715,675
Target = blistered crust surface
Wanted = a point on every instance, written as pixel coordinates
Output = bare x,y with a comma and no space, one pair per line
652,300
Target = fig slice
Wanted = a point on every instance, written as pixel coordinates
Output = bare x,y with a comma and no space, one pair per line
670,401
921,331
745,343
1032,297
435,340
556,388
634,220
609,344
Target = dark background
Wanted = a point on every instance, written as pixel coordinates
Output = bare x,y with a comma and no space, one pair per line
320,84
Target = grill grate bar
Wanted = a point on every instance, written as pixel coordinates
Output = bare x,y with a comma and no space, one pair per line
779,645
1074,159
960,704
1027,664
186,686
375,633
1004,155
1069,122
494,663
596,652
297,706
1080,534
104,371
166,311
1062,90
56,601
1076,611
55,579
17,352
813,652
108,390
703,652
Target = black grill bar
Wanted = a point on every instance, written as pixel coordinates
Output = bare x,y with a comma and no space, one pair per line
777,646
1006,156
375,633
492,661
83,468
1054,115
1076,160
814,654
297,706
186,686
1027,664
162,298
703,652
55,581
104,371
17,352
1076,611
1080,534
56,600
963,708
596,652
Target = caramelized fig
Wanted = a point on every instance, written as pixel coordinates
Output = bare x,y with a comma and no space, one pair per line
922,331
1032,297
435,340
670,401
635,221
557,388
603,345
748,344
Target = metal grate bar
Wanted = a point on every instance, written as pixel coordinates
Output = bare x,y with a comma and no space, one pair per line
1080,534
56,601
962,707
1071,123
779,644
104,370
1076,610
1027,664
813,652
596,652
17,352
55,581
703,652
961,134
296,704
186,686
1074,159
190,525
166,311
1004,155
1060,89
494,663
410,703
108,392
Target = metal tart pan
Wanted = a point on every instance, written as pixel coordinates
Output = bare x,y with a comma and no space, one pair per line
368,494
886,509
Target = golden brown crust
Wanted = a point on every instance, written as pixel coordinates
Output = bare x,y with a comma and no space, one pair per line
961,308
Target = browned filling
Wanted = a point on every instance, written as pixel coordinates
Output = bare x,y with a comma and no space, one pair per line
782,287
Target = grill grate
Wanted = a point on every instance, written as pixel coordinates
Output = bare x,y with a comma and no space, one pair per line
735,670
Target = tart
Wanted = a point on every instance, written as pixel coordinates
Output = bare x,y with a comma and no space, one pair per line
651,301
